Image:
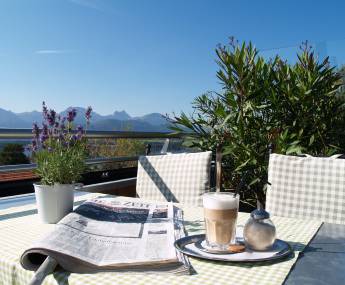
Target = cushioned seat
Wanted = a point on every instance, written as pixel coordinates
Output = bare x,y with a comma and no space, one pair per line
307,187
182,177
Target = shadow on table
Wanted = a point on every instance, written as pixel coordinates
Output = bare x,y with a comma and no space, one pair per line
316,247
18,214
322,261
297,246
325,247
27,213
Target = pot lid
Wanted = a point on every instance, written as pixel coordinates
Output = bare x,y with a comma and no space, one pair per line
260,214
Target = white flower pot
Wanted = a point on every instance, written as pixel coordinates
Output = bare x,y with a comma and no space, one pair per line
54,202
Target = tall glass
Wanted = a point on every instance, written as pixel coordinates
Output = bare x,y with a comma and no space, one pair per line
220,212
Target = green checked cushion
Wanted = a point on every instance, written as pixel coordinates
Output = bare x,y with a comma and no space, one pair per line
307,187
182,177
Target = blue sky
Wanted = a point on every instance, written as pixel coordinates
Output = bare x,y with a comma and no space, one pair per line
142,56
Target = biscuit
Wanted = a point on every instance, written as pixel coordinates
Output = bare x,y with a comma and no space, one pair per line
236,248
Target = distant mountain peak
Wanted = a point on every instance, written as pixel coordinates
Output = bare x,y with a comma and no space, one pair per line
9,119
153,119
79,109
121,115
119,120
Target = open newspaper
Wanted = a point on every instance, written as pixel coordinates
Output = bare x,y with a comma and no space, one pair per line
111,234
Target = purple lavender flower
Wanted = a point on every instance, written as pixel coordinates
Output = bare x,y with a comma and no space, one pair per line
80,129
45,110
43,138
34,145
45,129
80,132
62,124
56,130
45,133
88,114
51,117
71,114
35,130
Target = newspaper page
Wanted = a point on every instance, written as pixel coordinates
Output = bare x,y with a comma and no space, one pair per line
112,234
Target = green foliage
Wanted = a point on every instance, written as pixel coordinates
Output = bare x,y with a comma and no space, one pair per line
110,148
121,146
295,108
13,154
309,108
117,148
59,163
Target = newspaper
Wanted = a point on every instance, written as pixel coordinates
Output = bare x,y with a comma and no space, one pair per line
110,234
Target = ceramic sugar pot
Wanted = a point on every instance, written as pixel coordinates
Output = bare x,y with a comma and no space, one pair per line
259,232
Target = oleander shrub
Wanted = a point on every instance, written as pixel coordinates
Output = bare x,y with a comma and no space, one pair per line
292,108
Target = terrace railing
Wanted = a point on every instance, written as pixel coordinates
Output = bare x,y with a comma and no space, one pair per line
106,163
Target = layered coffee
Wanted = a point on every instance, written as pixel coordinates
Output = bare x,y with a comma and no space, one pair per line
220,212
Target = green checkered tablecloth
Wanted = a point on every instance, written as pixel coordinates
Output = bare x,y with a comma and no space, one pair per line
20,226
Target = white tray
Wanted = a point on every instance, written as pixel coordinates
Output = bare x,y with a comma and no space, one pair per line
190,245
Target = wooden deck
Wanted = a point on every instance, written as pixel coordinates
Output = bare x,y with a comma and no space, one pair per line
17,176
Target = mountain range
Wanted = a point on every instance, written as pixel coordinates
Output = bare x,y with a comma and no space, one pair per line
118,121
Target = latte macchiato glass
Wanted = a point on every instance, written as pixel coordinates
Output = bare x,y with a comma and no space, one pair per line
220,212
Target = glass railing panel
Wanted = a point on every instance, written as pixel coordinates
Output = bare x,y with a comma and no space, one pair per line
106,150
334,49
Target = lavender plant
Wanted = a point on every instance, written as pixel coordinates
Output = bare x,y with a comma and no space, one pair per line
59,148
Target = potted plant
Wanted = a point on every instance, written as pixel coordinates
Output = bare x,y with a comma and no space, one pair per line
265,104
59,151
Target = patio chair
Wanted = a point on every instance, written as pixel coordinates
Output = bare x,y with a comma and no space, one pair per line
181,177
178,177
307,187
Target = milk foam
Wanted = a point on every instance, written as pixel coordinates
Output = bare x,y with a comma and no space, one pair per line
219,201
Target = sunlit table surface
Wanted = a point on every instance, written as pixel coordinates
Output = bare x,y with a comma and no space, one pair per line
19,227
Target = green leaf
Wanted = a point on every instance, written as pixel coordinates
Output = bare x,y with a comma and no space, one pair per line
311,140
242,165
294,149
